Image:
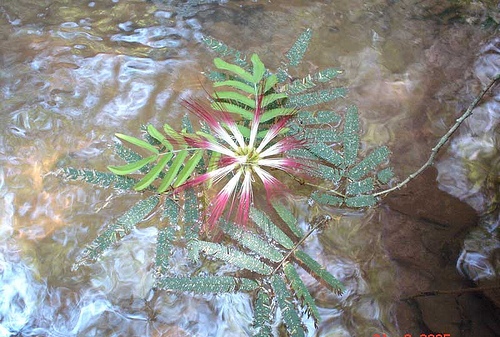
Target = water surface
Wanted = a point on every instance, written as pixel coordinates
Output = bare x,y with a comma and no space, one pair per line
73,73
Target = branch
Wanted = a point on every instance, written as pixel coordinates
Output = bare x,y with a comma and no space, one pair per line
443,139
321,222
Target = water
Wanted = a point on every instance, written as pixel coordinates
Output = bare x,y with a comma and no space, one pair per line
74,73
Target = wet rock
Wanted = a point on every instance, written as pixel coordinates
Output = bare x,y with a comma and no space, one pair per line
424,228
422,199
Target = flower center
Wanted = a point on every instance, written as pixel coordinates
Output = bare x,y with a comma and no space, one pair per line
247,156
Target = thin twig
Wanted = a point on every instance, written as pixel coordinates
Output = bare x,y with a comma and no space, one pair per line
450,292
443,139
319,224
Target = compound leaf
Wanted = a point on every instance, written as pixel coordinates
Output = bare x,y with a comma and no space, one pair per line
318,272
236,84
229,255
206,284
284,299
253,242
116,231
287,216
237,70
188,168
351,135
132,167
172,171
138,142
263,221
369,163
153,174
153,132
262,314
258,68
102,179
301,291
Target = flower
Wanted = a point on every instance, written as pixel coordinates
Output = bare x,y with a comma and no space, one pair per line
243,158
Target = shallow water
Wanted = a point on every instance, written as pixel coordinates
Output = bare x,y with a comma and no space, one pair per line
72,74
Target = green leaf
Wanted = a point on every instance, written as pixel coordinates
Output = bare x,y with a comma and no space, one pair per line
258,68
316,97
318,272
164,244
153,174
237,85
325,152
351,136
191,214
132,167
326,199
206,284
328,173
301,291
172,171
361,201
369,163
153,132
188,168
232,108
326,75
270,98
229,255
173,134
237,70
320,117
224,50
126,153
262,315
102,179
138,142
252,242
284,298
360,187
170,211
235,96
322,135
263,221
385,175
302,153
287,216
270,82
116,231
298,49
272,113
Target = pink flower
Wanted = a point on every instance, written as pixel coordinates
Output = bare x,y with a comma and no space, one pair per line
242,159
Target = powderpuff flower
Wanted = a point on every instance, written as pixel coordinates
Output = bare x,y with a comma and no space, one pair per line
243,159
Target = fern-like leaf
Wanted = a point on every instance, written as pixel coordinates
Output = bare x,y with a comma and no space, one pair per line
371,161
301,291
298,49
318,272
102,179
263,221
228,254
287,216
284,299
351,136
117,230
262,314
206,284
253,242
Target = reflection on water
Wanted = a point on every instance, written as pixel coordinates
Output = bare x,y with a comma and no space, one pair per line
73,73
